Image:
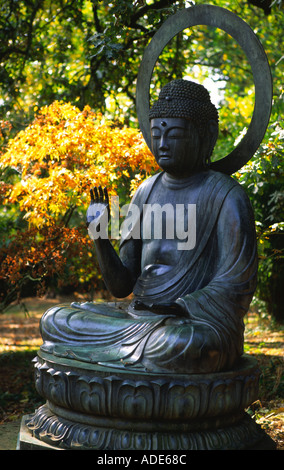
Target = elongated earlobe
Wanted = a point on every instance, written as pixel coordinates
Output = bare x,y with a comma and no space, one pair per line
209,141
206,162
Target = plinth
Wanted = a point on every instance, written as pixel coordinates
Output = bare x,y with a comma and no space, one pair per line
93,407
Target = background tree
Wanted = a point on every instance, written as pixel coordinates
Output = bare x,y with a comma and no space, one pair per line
50,167
88,53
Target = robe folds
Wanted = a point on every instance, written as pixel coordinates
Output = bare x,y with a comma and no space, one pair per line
213,283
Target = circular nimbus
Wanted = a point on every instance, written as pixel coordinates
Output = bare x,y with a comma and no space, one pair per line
209,15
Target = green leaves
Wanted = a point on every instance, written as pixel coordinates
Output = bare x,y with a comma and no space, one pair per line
103,45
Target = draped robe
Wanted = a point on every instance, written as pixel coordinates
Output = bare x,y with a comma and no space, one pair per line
213,283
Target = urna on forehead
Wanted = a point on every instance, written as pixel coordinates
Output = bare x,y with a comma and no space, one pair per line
184,99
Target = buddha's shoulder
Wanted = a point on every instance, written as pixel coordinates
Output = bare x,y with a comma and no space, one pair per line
226,181
235,197
147,184
210,180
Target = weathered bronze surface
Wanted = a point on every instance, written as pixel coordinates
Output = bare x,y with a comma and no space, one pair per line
165,371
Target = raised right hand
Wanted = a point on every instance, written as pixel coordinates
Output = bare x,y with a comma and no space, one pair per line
98,212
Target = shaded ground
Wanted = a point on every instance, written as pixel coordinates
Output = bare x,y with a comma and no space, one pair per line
20,339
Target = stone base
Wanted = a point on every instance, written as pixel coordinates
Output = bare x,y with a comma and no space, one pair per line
58,434
93,407
26,441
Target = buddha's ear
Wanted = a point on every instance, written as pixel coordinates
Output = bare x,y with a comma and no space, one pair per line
210,139
213,130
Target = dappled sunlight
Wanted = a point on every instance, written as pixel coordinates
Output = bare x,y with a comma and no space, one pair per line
19,326
19,332
262,338
265,341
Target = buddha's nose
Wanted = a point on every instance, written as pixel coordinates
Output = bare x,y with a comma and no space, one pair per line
163,143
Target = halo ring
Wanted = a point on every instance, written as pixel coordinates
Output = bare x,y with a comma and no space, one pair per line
211,15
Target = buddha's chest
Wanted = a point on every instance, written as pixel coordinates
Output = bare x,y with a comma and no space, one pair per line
169,217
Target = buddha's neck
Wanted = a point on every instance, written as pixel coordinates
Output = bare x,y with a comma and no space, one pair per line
179,181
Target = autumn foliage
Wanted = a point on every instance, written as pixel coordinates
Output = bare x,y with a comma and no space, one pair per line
47,171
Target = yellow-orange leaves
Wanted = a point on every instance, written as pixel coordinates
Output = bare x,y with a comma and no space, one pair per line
63,152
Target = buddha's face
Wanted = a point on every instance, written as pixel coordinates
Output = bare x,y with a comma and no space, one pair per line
176,146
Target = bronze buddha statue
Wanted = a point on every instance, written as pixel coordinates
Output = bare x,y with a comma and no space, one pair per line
189,300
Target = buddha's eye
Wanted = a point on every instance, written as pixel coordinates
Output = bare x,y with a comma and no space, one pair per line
176,133
156,133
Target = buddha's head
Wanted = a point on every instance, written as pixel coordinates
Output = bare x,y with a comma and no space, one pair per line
184,128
